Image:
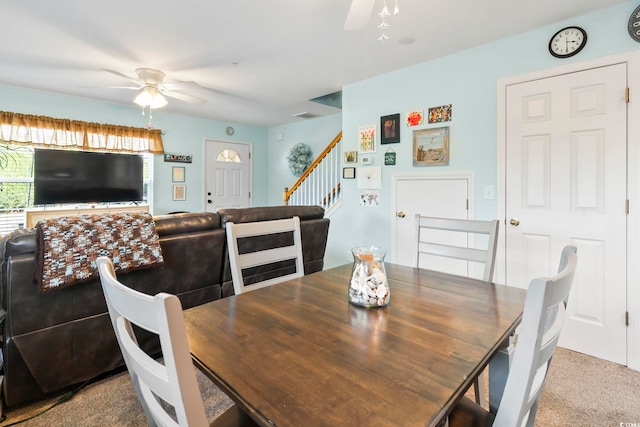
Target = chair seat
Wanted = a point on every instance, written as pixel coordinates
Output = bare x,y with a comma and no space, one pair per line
467,413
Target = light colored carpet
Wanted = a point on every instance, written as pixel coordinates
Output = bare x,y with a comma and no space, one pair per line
109,402
579,390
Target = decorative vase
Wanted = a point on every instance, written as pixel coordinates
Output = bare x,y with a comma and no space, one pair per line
369,286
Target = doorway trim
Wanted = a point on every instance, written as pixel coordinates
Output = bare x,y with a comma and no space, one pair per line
632,60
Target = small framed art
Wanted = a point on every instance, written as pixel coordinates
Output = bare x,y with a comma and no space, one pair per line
179,192
390,129
349,173
350,156
177,174
367,139
431,147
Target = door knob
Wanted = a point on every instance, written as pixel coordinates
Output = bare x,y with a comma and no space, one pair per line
400,214
515,222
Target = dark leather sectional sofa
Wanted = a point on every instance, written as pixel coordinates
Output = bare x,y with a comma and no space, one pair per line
56,339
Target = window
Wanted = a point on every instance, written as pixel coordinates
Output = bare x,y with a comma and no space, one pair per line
228,156
16,184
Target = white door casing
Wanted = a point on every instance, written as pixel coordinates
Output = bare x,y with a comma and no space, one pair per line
589,248
440,195
228,175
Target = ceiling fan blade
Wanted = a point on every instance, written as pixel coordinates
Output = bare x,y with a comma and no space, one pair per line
124,76
181,85
183,97
359,14
112,87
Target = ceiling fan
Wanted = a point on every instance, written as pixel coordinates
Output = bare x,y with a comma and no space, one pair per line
152,90
360,14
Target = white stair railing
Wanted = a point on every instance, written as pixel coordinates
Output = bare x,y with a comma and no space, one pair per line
320,183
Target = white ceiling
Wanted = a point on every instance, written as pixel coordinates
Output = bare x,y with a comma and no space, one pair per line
260,61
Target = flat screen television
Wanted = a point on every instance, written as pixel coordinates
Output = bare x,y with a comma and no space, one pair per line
62,176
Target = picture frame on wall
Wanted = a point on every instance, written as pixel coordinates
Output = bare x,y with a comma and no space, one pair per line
177,174
431,147
390,129
179,192
351,157
349,173
367,139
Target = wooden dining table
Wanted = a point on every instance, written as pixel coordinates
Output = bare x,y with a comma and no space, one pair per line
299,354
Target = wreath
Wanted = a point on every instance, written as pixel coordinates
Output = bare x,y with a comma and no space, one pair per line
300,157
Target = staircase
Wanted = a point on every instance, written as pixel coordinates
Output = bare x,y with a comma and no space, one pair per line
319,185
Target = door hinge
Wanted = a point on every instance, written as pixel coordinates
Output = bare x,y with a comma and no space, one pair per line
626,206
249,194
467,204
626,95
626,319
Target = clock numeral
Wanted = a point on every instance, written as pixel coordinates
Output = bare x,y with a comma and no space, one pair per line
636,24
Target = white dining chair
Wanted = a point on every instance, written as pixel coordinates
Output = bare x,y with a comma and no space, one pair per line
240,259
168,390
430,240
542,320
425,243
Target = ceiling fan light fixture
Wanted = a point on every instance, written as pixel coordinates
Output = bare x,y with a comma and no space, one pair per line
150,97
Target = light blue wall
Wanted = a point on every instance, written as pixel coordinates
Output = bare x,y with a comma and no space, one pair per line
317,133
468,80
182,135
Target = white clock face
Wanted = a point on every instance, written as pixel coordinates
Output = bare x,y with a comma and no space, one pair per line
567,42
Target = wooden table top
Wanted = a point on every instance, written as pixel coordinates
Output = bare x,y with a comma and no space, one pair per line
298,354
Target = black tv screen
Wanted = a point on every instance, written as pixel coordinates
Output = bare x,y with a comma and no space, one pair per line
86,177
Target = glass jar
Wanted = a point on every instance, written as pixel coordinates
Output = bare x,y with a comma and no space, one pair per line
369,286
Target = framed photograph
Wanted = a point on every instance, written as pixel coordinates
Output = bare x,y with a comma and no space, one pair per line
431,147
390,129
177,174
367,139
440,114
179,192
350,156
349,173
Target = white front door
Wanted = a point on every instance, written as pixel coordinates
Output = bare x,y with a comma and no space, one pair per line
566,185
228,177
429,195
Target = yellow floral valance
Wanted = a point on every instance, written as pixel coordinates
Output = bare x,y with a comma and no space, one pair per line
50,132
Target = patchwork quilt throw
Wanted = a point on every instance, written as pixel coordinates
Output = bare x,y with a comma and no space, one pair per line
68,246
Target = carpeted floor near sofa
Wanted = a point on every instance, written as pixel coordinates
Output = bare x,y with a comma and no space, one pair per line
580,390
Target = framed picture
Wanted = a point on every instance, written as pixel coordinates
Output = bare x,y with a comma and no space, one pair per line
179,192
349,173
431,147
390,129
177,174
415,118
440,114
350,156
367,139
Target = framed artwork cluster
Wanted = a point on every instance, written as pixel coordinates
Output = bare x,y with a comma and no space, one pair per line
179,190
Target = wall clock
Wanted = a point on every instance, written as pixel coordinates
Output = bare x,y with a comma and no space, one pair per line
634,25
567,42
230,131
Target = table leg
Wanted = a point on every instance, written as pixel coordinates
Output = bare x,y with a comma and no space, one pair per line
498,372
